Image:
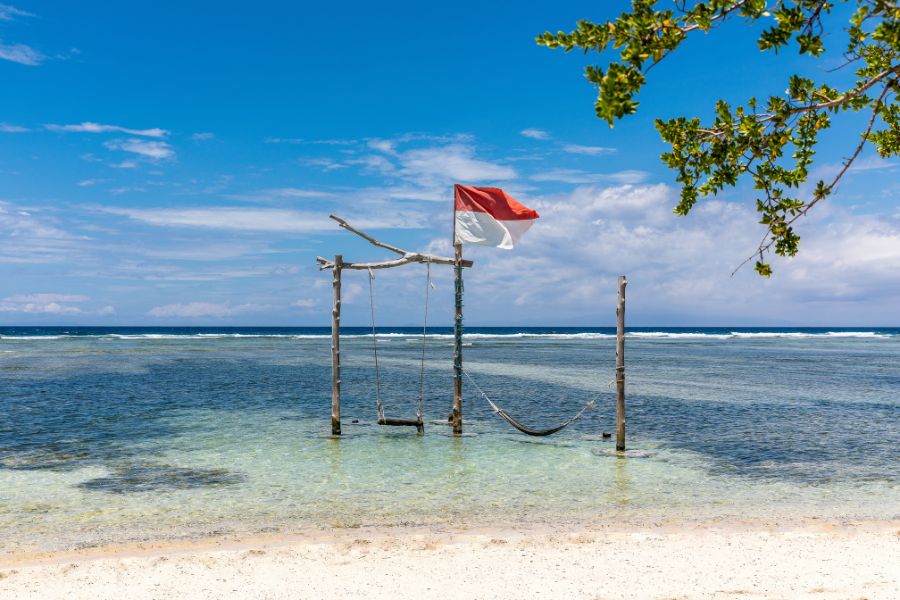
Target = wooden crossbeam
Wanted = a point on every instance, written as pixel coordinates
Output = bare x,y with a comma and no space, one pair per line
324,263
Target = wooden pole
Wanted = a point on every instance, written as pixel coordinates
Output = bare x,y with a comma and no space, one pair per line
457,344
336,347
620,366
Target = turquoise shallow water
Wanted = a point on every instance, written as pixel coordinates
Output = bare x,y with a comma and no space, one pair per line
117,435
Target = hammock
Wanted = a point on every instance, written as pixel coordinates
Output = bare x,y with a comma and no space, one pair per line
524,428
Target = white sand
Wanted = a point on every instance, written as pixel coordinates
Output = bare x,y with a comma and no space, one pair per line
812,561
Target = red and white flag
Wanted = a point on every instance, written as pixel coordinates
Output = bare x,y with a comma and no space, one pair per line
489,217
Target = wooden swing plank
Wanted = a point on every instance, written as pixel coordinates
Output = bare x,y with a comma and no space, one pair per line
419,425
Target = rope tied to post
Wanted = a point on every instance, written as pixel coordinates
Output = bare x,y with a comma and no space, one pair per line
428,286
379,405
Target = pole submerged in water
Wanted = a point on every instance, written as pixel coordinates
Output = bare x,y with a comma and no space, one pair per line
336,347
620,366
456,415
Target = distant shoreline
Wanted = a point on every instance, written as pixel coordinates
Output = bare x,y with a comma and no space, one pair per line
470,332
418,327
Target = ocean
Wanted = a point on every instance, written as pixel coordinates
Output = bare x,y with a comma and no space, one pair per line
126,434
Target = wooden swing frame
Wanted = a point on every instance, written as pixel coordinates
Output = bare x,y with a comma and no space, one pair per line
338,265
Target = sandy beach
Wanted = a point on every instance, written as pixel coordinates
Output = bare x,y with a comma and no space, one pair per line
822,561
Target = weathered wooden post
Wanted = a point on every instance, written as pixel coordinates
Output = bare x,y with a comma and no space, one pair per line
336,347
457,342
620,366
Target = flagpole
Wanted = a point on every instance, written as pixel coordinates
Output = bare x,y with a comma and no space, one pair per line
456,415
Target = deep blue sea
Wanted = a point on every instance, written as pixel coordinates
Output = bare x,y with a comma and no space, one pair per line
124,434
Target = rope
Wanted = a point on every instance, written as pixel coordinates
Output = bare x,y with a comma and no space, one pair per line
379,405
428,285
523,428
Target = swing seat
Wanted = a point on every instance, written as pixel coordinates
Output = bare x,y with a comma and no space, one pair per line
417,423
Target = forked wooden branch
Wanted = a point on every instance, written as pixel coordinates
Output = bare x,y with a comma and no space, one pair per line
407,257
366,237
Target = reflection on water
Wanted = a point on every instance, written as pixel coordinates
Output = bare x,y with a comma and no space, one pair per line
115,438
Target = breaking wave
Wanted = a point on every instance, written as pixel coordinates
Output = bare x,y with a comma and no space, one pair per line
674,335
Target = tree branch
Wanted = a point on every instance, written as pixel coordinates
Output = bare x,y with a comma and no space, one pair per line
722,15
366,237
407,257
854,93
766,246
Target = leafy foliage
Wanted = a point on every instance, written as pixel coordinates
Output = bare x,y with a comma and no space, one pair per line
771,141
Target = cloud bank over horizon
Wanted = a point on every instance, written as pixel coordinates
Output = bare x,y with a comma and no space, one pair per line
230,256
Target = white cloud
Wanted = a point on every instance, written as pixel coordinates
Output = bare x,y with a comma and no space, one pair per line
257,219
589,150
454,162
47,298
566,176
386,146
8,128
8,13
424,169
26,238
871,163
191,250
334,142
350,292
305,303
90,182
285,193
535,134
627,176
126,190
202,309
203,136
374,163
141,270
151,150
278,140
326,164
298,141
50,304
849,257
22,54
632,176
89,127
229,218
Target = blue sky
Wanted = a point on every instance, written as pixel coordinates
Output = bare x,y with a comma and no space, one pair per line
174,163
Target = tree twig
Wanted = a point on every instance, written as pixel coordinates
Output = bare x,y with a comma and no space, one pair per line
763,246
407,257
366,237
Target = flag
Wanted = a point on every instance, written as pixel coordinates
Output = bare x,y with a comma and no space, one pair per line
489,217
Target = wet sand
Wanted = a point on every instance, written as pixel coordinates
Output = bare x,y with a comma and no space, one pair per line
748,560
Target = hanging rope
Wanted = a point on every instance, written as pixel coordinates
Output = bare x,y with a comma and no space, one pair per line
379,405
428,285
523,428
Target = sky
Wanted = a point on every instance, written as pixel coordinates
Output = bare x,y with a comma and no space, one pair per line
174,163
